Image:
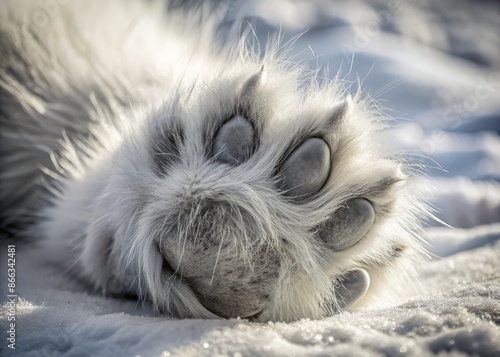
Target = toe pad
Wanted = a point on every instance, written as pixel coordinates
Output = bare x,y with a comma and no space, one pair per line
352,288
234,142
306,170
348,225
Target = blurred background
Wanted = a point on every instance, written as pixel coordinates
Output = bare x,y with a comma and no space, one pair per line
434,66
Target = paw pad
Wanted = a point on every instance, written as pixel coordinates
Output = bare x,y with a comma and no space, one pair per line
234,142
306,169
352,287
348,225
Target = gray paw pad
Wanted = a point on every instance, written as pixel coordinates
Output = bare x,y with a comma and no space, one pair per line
348,225
306,169
234,142
352,288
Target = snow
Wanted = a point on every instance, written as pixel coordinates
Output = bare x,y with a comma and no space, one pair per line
436,67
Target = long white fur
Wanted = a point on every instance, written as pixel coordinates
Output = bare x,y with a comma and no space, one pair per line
89,89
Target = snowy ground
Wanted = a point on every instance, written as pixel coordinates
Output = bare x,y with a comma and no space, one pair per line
456,315
436,67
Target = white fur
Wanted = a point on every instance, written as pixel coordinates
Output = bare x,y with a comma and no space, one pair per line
90,91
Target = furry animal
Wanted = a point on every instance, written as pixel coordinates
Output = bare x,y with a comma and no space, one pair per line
211,179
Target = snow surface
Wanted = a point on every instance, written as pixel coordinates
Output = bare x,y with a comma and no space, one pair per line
436,67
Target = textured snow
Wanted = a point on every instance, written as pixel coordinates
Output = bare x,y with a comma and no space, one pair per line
436,67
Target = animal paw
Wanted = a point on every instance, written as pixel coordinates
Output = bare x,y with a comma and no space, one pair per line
254,202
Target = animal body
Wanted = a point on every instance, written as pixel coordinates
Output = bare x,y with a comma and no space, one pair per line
203,176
